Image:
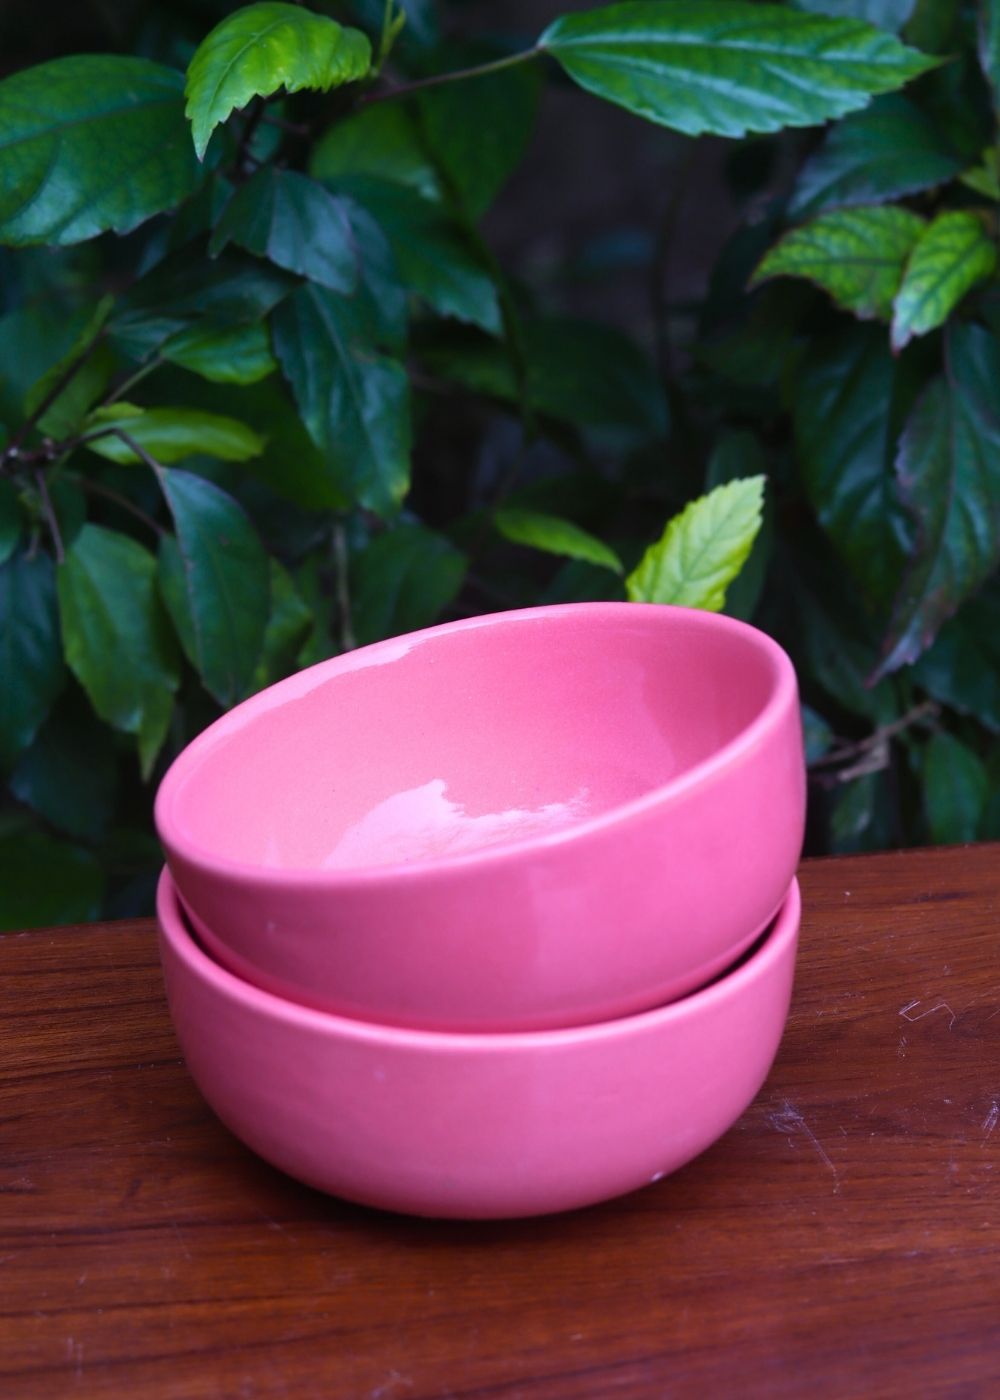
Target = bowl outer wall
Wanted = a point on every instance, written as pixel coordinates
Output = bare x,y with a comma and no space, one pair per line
477,1126
618,914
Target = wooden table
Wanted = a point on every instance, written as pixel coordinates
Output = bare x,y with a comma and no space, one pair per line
843,1240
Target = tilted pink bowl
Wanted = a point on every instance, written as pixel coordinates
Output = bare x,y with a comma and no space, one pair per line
529,819
477,1126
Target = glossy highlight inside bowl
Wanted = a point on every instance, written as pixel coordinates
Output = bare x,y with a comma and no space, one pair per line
498,731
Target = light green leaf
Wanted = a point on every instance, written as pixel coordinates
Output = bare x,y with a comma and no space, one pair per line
261,48
736,455
67,411
31,664
435,259
479,130
353,401
223,354
288,624
952,254
381,140
890,149
555,536
169,434
726,67
295,223
10,519
89,143
948,471
215,582
857,255
116,635
403,581
702,550
44,881
956,790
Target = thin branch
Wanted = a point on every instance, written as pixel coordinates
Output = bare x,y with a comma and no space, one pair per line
871,754
50,515
458,76
347,638
68,374
133,379
98,488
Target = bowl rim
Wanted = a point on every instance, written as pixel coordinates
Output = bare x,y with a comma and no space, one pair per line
779,943
783,697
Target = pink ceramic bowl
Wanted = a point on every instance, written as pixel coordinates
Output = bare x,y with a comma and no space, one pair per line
477,1125
525,820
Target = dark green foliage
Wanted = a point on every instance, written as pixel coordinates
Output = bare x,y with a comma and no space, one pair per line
266,392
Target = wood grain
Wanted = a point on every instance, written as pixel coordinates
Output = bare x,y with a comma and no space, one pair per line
841,1241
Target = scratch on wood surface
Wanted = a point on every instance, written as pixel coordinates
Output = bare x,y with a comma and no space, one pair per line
990,1122
391,1386
790,1121
911,1006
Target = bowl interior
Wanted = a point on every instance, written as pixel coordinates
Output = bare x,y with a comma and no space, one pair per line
470,736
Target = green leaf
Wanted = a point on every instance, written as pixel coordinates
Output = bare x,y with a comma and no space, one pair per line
261,48
887,14
890,149
31,664
223,354
962,668
948,470
116,635
169,434
479,130
989,44
857,255
702,550
354,402
952,254
288,624
843,395
295,223
235,290
381,140
216,584
67,411
10,520
90,143
555,536
859,820
728,68
956,790
69,774
403,581
435,259
44,881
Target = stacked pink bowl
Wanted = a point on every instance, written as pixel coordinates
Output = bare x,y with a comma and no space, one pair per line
495,919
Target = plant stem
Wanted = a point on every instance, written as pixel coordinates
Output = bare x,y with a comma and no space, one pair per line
69,373
132,380
50,515
458,76
347,638
98,488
